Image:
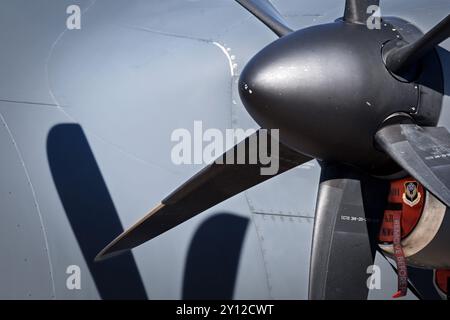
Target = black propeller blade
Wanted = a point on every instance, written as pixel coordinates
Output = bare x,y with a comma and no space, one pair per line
267,14
399,59
423,152
356,10
214,184
348,211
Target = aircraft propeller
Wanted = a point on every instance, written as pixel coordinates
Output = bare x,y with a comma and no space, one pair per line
365,122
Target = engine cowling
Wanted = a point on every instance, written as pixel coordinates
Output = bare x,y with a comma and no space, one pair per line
425,226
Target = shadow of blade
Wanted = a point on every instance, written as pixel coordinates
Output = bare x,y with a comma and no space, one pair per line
423,282
91,212
213,258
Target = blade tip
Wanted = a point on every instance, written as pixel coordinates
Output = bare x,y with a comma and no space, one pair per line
100,257
107,253
110,251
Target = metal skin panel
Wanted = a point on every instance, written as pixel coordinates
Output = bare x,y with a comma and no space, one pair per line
30,127
28,30
285,243
25,267
290,194
129,92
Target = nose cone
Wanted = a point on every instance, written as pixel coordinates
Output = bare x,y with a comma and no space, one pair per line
289,81
326,92
266,84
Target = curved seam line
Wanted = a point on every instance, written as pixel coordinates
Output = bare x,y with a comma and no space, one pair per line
192,38
269,286
41,220
71,118
58,105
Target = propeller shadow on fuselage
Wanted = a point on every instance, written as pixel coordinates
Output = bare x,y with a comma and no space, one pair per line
214,253
91,212
213,258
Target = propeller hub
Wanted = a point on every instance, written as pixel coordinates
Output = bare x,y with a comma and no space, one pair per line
328,91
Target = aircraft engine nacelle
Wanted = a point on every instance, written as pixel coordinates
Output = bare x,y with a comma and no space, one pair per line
425,226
